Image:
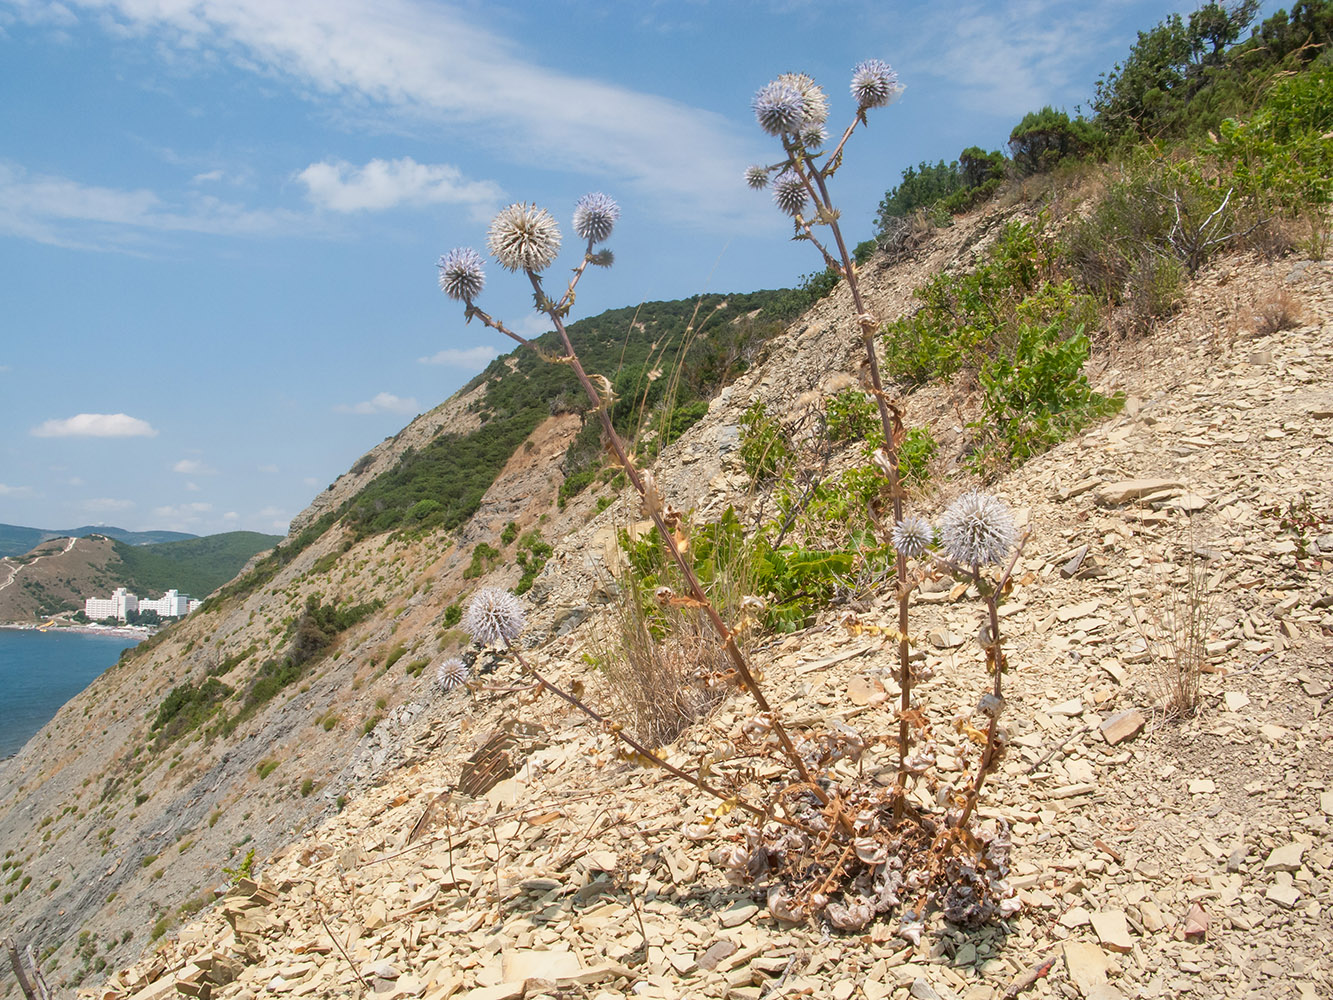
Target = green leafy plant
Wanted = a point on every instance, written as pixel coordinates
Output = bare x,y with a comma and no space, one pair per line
764,447
1037,396
244,870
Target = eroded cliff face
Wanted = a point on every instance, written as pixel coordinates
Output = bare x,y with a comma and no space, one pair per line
119,833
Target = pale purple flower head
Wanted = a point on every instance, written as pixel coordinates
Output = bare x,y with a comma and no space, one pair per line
789,192
779,108
977,529
523,238
912,536
595,216
494,615
814,102
875,84
756,177
450,674
813,137
462,276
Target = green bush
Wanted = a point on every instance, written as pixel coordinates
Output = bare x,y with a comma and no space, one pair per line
1043,138
415,667
764,447
915,454
394,655
267,767
483,558
510,533
1038,396
852,416
1282,155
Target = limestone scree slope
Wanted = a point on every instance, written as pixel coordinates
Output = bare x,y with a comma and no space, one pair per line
1152,858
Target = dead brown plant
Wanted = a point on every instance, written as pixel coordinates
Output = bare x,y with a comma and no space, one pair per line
657,663
1175,622
1277,311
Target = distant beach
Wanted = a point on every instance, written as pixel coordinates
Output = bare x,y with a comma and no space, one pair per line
123,631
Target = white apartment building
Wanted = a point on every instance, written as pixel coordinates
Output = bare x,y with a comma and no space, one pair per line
172,604
119,606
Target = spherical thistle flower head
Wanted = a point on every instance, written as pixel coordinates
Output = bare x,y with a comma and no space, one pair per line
595,216
813,99
450,674
977,529
756,177
493,615
875,84
523,238
813,137
462,276
912,536
779,108
789,192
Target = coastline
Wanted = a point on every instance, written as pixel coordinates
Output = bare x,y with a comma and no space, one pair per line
119,631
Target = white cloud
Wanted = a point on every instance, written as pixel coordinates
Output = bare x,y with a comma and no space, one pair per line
67,213
383,184
462,357
103,505
1010,58
384,402
3,369
193,467
208,175
13,491
269,469
96,425
193,488
231,516
431,62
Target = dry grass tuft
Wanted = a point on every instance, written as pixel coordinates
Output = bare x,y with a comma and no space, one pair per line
1277,311
657,665
1175,625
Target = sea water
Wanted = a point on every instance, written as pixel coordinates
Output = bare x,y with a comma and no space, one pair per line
40,671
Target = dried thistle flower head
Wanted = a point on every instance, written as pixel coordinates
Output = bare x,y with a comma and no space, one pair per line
779,108
875,84
912,536
756,177
494,615
789,192
462,276
814,102
595,216
523,238
977,529
450,674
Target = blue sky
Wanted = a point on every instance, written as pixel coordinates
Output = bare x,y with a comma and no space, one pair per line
219,218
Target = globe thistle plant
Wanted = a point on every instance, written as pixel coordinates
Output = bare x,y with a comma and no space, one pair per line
450,674
875,84
494,616
595,216
789,192
462,276
912,536
976,530
756,177
524,238
779,108
814,102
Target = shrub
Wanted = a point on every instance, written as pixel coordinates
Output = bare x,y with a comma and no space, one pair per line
484,557
1038,396
267,767
510,533
764,448
852,416
918,450
394,655
1043,138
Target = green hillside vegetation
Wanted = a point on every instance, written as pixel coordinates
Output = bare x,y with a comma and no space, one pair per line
16,540
663,359
196,566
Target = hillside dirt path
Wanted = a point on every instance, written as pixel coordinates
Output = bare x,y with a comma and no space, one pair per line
1188,859
16,568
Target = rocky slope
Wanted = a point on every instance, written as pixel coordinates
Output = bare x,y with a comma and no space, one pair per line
577,871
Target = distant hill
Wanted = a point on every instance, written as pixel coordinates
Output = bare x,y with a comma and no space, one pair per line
59,573
15,539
